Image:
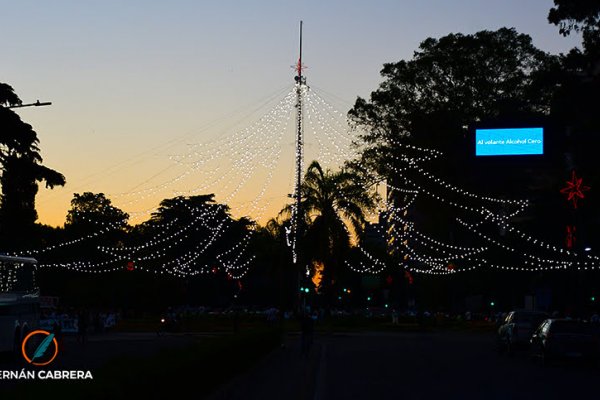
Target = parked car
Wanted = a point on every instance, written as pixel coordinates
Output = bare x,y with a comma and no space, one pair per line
517,328
564,339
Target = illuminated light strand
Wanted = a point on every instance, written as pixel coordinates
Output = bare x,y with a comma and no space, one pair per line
343,133
314,116
440,260
301,90
220,257
93,235
541,262
539,266
535,241
245,265
429,239
501,219
280,112
262,135
464,192
480,210
330,108
439,246
101,264
367,269
89,236
159,253
376,264
147,211
228,143
161,237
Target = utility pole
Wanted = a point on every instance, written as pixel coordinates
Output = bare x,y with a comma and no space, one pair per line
297,218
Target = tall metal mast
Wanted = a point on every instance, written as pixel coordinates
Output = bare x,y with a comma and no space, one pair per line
300,87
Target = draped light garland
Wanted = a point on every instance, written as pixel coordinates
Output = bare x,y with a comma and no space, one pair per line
249,157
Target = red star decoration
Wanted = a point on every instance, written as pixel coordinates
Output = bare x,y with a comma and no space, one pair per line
299,67
574,189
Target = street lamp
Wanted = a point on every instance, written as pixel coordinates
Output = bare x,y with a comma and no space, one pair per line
36,104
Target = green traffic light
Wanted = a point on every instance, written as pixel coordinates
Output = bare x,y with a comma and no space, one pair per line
306,290
369,298
593,298
492,303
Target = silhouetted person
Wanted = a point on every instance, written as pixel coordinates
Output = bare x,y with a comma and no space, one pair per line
236,320
82,326
307,327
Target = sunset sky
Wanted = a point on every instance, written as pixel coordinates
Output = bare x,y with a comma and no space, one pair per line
137,85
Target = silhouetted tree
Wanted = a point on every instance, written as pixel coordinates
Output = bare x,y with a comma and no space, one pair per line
91,212
451,83
334,205
21,169
431,101
579,16
201,231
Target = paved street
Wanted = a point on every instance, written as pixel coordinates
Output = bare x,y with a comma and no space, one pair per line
99,349
409,366
367,366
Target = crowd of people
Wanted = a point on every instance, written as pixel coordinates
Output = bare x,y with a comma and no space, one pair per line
80,321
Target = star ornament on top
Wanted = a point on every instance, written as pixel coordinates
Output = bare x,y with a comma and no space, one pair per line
574,189
299,67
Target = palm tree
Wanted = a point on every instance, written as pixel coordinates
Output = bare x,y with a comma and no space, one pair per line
333,207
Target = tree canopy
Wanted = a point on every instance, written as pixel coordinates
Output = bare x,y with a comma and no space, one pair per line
93,211
453,82
579,16
21,169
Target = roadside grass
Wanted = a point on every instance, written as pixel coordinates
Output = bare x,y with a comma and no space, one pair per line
198,369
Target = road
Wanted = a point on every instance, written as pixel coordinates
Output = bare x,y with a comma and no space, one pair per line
365,366
101,348
409,366
434,366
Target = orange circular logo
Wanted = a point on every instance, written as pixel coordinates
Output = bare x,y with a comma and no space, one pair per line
39,348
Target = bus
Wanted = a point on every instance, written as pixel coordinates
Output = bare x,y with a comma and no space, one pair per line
19,301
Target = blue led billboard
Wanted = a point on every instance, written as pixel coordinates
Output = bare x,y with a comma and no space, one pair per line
509,141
